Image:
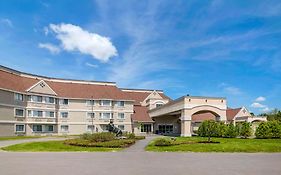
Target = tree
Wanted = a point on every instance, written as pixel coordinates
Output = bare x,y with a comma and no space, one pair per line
208,129
245,130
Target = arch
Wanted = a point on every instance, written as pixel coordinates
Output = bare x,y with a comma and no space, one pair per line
219,113
204,115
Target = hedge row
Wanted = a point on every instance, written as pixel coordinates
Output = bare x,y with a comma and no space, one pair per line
211,128
270,129
120,143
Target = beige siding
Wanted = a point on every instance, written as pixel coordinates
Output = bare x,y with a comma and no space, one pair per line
6,129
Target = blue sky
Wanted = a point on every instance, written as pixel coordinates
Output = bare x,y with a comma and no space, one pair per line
206,48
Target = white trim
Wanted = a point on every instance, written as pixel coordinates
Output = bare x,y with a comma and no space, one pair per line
15,128
41,81
15,115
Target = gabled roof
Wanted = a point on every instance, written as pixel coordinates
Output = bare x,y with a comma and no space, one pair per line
139,96
13,81
231,113
140,114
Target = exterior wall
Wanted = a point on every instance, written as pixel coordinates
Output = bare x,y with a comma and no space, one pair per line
77,120
7,129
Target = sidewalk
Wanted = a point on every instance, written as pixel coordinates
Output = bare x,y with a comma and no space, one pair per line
140,145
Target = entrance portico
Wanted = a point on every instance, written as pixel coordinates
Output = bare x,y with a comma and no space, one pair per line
178,112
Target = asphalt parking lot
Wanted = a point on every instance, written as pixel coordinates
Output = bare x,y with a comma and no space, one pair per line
139,163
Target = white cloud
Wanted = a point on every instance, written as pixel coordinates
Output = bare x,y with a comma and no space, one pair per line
230,89
7,22
258,105
74,38
260,99
91,65
46,30
52,48
266,109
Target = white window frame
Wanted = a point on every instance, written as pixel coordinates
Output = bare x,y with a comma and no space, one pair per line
18,94
46,130
62,115
37,131
90,117
102,115
15,113
36,96
88,102
62,101
118,116
37,113
102,103
90,130
19,131
61,126
46,101
49,113
119,102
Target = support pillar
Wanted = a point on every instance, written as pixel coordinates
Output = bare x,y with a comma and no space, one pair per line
185,124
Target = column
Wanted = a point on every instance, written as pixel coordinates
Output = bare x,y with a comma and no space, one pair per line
185,124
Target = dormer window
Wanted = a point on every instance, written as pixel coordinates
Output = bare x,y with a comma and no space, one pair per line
159,105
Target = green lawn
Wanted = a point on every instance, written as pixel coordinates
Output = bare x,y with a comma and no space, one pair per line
225,145
19,137
53,146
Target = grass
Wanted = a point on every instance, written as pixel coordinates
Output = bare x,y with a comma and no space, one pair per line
19,137
53,146
225,145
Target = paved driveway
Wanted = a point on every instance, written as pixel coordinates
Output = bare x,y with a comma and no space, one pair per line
135,161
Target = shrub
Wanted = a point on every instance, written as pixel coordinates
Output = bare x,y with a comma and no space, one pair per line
163,142
130,136
98,137
221,129
245,130
122,143
139,137
270,129
231,131
208,128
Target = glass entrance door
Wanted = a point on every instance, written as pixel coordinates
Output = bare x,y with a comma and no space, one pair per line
165,129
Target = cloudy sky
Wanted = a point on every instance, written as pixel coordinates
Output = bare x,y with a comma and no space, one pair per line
202,48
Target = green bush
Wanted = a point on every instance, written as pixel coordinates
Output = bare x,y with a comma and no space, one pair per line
245,130
231,131
130,136
163,142
270,129
98,137
209,128
221,129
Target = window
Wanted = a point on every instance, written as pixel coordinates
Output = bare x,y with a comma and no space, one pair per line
38,99
121,116
90,128
50,100
165,129
105,103
50,114
146,128
122,127
64,114
37,113
158,105
64,128
18,97
29,113
91,115
64,101
37,128
20,128
90,102
19,112
105,115
120,103
49,128
104,127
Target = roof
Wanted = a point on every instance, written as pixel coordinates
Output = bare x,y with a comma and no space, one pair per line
203,116
231,113
140,114
140,96
19,83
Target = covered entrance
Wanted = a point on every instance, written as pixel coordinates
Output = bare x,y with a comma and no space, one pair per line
176,116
